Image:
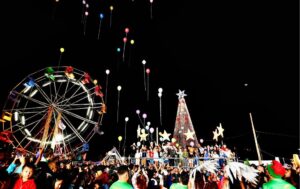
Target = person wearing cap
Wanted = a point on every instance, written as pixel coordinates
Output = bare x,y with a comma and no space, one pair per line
276,171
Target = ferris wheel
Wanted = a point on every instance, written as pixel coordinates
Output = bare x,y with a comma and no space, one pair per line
57,107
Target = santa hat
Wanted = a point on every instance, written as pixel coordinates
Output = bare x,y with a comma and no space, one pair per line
276,169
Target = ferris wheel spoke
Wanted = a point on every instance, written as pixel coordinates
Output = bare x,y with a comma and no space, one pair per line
69,124
47,98
33,100
62,99
31,139
83,106
57,91
81,99
90,135
77,116
28,110
66,100
31,123
66,89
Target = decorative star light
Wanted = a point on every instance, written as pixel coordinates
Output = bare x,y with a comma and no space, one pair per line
165,135
220,130
143,136
181,94
189,134
215,132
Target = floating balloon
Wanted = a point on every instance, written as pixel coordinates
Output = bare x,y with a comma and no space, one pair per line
126,30
192,143
101,16
144,115
131,41
201,140
151,130
120,138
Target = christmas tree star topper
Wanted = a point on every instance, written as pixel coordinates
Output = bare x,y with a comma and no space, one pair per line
181,94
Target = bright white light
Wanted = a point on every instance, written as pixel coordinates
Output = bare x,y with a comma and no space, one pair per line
144,115
137,111
84,127
23,120
147,127
46,84
148,123
16,116
88,110
59,137
126,119
61,80
33,93
27,132
160,90
107,71
119,87
151,130
159,95
26,89
144,62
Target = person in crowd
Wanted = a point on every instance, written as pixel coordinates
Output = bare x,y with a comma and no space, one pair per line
291,175
25,181
123,177
183,181
140,179
275,172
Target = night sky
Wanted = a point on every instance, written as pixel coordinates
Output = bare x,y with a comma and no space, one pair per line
231,58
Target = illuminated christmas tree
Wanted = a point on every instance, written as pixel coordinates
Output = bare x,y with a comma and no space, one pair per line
184,132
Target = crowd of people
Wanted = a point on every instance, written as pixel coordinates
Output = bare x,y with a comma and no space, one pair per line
148,166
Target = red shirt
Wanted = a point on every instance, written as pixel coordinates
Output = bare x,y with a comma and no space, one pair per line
30,184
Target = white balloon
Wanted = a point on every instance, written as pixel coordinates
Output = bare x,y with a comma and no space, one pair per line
192,143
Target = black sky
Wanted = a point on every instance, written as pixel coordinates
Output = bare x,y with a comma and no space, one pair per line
209,49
